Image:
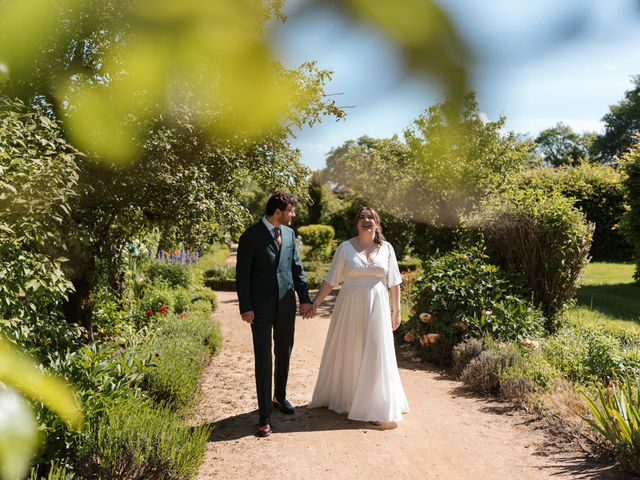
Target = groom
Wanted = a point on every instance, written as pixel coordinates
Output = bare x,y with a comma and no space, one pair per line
267,273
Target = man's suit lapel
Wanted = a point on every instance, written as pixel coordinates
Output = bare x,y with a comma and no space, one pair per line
268,237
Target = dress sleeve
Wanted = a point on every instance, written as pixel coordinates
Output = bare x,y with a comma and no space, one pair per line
393,272
336,274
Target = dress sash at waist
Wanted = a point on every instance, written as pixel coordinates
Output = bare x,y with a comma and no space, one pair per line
368,280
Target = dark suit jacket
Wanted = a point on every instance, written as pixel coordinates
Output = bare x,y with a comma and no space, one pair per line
267,277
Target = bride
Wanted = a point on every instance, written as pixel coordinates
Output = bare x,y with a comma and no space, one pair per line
358,372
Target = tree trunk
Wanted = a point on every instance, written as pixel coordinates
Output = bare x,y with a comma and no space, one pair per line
79,308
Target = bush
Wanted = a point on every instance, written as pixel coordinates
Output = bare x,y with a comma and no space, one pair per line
156,297
216,255
515,384
133,441
464,352
195,325
481,374
540,237
461,296
202,307
500,363
319,238
315,272
38,181
179,365
631,219
207,295
410,265
595,190
591,354
181,300
430,240
180,346
222,277
172,274
399,232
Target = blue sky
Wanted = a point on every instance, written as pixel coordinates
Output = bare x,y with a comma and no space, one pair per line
539,63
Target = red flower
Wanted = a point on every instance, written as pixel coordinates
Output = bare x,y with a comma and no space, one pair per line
184,315
163,310
149,312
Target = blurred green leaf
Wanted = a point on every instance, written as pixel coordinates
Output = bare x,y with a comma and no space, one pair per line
18,435
19,371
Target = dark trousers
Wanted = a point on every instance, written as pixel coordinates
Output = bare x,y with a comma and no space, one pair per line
283,331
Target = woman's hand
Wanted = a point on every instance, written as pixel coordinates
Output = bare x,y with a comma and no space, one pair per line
395,320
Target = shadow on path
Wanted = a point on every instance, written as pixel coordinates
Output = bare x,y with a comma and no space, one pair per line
304,420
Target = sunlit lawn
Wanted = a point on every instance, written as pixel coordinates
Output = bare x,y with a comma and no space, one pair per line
608,295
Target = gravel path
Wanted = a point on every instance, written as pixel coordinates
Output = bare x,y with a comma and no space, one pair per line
449,434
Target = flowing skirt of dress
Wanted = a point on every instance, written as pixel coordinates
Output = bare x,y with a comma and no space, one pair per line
358,372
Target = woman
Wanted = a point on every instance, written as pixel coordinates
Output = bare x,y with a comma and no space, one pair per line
358,372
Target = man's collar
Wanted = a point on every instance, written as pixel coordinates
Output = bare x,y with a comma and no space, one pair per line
269,225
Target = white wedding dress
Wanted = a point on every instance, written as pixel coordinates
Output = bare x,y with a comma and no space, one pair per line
358,372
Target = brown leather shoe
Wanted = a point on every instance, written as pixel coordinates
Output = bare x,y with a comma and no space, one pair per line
264,427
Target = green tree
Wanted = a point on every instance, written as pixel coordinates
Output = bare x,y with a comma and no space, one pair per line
441,169
374,170
117,59
185,183
631,220
179,163
321,203
560,145
38,180
455,164
621,125
597,191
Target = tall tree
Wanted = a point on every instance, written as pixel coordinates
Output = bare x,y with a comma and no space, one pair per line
621,125
560,145
457,162
440,170
186,154
114,59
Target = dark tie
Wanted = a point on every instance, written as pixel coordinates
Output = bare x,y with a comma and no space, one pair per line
277,237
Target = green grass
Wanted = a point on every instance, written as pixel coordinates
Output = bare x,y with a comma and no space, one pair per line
608,296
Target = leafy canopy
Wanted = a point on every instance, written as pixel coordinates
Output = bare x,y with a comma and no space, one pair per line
442,167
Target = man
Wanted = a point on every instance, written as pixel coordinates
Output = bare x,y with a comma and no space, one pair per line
268,271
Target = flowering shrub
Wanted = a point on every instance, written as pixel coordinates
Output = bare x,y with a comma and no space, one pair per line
462,296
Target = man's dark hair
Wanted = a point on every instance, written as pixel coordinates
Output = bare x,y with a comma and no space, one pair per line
279,201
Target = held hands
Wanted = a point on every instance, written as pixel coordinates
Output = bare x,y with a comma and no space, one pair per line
307,310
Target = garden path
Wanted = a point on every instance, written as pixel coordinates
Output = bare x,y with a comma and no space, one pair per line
449,434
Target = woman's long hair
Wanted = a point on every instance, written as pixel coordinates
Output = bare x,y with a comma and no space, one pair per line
378,237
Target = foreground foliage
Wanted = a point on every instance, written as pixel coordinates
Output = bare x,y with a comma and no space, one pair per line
617,418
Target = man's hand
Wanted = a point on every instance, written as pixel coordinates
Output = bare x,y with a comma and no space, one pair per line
248,317
307,310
